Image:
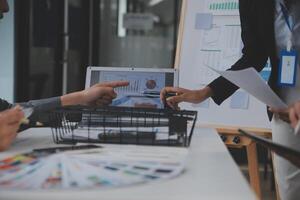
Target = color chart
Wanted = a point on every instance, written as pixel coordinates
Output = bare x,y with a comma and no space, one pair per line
92,168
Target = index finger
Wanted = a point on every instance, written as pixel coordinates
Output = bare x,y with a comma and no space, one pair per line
166,90
114,84
108,92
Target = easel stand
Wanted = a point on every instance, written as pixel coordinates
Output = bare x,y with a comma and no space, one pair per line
230,135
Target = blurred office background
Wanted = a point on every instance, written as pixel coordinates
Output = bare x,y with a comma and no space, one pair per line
46,45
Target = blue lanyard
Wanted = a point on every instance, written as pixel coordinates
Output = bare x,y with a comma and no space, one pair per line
287,17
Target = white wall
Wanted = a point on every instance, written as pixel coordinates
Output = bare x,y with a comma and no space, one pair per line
7,54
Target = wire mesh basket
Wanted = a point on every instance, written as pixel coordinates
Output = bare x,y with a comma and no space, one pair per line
122,125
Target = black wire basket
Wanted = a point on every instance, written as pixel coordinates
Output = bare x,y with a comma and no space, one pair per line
122,125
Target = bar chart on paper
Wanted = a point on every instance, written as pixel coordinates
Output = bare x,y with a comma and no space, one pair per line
223,7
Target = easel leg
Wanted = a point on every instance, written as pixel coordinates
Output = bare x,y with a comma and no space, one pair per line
253,169
276,185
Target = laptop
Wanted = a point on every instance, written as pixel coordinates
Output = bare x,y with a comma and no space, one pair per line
143,91
144,86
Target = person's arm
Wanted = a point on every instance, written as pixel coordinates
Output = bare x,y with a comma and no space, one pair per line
43,104
254,55
40,107
254,51
184,95
99,94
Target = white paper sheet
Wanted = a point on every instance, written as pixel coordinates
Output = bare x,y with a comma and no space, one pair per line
250,80
239,100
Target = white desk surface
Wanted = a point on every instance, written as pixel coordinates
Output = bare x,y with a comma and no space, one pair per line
211,173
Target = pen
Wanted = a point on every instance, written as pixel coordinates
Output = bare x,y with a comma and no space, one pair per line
146,95
171,94
151,93
156,93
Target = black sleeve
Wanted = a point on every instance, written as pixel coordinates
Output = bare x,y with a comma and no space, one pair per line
41,107
4,105
254,52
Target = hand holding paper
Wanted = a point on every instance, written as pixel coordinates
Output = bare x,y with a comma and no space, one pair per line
250,80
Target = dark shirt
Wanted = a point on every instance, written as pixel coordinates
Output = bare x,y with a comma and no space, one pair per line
258,36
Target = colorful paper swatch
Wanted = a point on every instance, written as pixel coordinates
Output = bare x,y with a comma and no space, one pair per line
93,168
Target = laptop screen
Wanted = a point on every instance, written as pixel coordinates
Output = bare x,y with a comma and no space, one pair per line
144,84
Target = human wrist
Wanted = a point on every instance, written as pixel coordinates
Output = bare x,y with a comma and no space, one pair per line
204,93
74,98
207,91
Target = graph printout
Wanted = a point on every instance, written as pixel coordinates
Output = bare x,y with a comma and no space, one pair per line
223,7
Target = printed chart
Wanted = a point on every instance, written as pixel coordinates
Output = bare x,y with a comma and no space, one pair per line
220,49
223,7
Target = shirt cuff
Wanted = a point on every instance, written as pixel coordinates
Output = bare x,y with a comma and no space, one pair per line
43,104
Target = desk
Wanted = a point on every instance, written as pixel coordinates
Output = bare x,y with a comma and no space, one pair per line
211,173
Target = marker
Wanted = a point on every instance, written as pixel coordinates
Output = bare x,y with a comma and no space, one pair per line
171,94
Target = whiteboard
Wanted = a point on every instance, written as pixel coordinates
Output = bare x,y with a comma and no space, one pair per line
218,46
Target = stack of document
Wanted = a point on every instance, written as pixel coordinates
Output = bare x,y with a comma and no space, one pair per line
93,168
